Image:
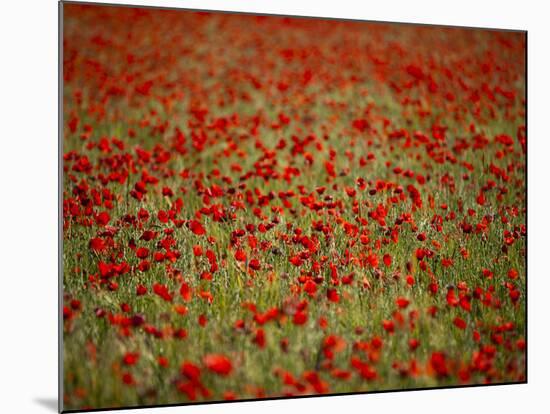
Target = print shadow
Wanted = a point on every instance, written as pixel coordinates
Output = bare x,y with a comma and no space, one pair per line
49,403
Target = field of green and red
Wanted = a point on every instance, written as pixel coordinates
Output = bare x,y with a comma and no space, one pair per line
265,206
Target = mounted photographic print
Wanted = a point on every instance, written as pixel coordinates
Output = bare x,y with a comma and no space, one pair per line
258,207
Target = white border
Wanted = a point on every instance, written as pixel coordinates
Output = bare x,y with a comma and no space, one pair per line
28,231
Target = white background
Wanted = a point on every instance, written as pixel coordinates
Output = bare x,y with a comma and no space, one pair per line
28,205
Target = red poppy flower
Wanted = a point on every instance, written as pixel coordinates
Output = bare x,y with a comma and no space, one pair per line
413,344
219,364
254,264
388,326
185,292
191,371
196,227
402,302
240,256
332,295
98,244
438,363
141,290
142,252
459,323
163,361
299,318
102,218
130,358
162,291
128,379
259,338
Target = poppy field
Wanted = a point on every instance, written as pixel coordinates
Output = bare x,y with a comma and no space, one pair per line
263,206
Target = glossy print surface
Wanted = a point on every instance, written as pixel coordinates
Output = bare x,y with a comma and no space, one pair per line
262,206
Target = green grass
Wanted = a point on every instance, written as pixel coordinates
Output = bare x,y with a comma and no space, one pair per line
93,347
